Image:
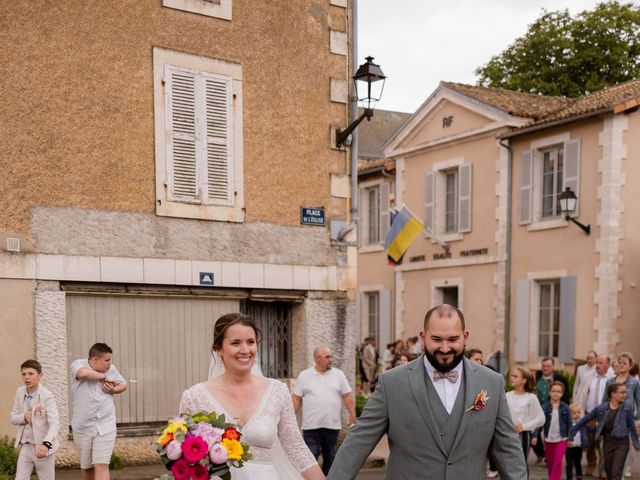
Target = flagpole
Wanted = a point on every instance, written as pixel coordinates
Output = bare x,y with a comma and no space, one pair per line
428,230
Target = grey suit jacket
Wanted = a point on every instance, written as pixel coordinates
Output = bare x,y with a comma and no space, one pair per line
399,408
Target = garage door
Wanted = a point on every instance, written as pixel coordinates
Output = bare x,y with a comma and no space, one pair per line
160,345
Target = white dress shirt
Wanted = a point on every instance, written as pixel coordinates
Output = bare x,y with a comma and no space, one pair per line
447,390
583,372
596,391
94,412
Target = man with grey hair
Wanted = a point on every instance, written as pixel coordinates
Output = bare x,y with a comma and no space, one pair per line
590,395
321,390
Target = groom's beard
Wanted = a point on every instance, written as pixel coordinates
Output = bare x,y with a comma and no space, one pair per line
441,366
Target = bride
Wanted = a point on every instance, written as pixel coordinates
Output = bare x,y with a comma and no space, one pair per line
260,406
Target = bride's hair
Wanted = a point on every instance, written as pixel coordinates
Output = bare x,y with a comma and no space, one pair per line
228,320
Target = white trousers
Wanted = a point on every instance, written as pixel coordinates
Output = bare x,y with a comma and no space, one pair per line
45,466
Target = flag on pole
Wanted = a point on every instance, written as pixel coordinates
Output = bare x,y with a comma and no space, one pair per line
404,230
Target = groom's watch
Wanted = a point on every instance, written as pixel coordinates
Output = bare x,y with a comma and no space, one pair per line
47,444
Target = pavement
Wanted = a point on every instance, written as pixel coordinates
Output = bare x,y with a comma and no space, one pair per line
373,469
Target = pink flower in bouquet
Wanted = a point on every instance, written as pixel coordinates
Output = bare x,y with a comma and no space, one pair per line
218,454
199,472
181,470
194,449
174,450
208,432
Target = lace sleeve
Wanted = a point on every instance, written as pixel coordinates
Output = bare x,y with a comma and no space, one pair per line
186,403
289,434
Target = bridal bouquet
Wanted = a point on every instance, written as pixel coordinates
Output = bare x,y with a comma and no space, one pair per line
201,446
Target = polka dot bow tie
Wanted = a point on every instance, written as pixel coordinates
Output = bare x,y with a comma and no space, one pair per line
452,376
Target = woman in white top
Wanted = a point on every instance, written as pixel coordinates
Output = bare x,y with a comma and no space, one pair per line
526,412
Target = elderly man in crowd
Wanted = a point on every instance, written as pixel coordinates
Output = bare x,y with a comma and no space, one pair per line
592,392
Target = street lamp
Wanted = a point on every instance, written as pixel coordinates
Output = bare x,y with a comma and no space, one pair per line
567,202
371,80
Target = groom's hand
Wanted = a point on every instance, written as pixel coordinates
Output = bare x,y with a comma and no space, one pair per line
534,441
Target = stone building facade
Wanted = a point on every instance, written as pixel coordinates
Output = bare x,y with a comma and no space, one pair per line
531,283
157,158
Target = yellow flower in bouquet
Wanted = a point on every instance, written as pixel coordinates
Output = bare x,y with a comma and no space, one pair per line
176,425
234,448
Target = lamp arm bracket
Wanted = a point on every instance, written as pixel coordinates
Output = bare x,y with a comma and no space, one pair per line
585,228
342,135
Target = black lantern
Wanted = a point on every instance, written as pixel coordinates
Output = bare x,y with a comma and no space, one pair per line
369,83
567,202
371,80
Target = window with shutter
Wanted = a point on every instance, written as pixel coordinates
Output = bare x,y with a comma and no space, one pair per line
525,187
182,123
198,137
429,202
218,137
198,154
447,192
572,169
546,170
385,216
464,223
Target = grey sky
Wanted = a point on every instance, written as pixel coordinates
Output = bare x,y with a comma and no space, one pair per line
420,42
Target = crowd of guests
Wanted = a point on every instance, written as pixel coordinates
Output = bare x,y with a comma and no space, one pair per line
600,420
370,364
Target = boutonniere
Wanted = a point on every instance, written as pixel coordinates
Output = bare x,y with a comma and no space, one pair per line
480,402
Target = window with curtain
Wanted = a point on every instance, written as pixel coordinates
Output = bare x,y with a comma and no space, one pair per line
549,314
451,202
373,195
552,180
373,308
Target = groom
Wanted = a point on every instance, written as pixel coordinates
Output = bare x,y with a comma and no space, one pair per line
429,408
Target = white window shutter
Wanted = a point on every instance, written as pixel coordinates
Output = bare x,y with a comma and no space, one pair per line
572,169
384,329
464,198
429,203
363,224
521,330
181,128
566,344
384,211
219,149
526,187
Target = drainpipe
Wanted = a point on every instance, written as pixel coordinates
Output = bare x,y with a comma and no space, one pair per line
353,114
507,292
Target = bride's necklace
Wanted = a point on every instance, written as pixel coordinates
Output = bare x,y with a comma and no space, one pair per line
242,402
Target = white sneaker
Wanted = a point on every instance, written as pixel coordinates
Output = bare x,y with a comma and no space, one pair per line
492,474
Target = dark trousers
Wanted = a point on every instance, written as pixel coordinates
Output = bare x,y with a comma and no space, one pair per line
615,453
525,440
595,457
322,440
573,456
538,448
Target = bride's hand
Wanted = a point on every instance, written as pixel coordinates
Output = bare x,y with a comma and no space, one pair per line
313,473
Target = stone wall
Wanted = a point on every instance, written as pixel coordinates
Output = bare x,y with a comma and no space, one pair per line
76,231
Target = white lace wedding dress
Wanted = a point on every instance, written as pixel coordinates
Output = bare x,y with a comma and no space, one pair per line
272,424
